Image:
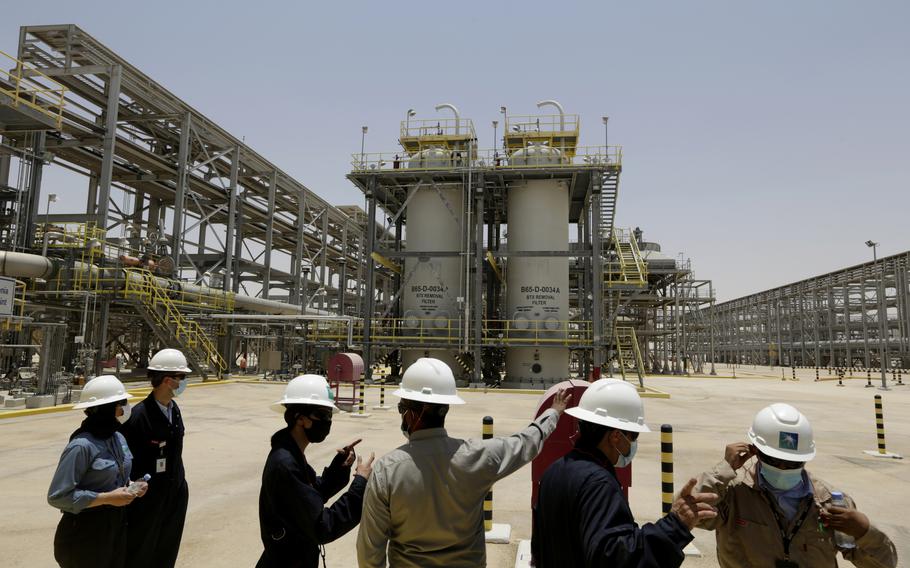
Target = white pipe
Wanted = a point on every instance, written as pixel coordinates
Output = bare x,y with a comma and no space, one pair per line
453,109
23,265
349,320
562,113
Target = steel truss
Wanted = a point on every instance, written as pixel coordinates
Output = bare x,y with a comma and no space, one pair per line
176,186
856,317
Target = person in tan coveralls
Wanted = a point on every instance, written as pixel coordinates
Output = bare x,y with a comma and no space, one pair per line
772,512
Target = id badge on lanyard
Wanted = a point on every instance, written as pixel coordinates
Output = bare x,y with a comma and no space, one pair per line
161,462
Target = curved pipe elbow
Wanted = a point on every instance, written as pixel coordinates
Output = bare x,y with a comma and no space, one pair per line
452,108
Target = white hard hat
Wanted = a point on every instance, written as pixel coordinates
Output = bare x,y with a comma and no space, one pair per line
781,431
429,380
103,389
613,403
307,389
169,360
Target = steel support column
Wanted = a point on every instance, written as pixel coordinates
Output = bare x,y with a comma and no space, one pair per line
478,281
269,237
180,193
107,146
370,303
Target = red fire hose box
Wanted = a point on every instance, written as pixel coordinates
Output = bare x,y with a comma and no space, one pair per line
562,440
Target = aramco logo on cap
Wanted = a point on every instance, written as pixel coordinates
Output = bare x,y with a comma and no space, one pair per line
788,441
328,391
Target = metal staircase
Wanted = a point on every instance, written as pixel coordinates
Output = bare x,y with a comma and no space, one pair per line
608,183
169,324
628,353
629,268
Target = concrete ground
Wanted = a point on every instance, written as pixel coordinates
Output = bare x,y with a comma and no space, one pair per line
228,428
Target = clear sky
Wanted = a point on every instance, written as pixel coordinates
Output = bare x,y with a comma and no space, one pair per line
766,140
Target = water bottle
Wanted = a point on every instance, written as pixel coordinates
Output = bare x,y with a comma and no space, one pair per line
134,485
840,539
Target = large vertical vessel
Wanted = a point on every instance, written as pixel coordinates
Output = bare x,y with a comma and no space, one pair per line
537,286
433,284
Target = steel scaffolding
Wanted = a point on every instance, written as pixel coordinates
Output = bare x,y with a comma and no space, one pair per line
856,317
168,185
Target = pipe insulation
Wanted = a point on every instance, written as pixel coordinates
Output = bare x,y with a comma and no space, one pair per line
23,265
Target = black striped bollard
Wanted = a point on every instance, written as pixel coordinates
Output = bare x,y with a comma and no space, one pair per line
900,379
382,405
869,378
794,373
361,412
488,500
666,467
881,452
851,372
840,377
816,374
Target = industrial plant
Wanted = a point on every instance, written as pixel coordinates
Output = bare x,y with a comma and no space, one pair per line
504,261
148,250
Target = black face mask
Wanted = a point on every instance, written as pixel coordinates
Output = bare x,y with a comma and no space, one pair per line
319,431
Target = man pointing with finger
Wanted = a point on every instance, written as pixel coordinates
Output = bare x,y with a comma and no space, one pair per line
582,517
775,513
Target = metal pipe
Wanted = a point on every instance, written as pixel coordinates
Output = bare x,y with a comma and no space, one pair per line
23,265
562,113
454,110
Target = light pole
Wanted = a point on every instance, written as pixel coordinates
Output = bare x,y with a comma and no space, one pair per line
873,245
882,316
606,139
495,125
407,121
363,137
51,198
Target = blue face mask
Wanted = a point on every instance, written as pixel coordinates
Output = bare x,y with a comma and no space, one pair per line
782,479
626,459
180,387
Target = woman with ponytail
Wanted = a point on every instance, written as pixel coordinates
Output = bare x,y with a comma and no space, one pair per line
91,485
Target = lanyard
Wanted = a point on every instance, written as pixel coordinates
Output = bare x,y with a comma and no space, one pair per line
118,457
787,537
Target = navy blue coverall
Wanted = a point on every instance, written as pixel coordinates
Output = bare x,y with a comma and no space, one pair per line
582,518
293,519
156,521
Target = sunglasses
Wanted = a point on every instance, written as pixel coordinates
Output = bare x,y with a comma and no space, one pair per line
402,408
780,464
321,416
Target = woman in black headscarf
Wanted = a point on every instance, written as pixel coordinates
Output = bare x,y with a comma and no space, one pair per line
91,485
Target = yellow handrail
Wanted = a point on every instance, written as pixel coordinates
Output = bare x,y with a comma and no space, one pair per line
32,92
166,313
582,156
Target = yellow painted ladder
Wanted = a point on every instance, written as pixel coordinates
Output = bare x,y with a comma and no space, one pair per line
628,353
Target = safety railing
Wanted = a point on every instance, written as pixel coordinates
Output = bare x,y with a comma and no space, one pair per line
449,331
536,332
629,268
13,322
551,123
34,89
628,352
441,127
585,156
69,235
142,285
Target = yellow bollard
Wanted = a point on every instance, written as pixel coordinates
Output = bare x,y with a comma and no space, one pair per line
488,500
881,452
666,467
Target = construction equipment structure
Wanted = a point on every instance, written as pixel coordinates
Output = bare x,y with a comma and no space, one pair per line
855,317
182,219
504,293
